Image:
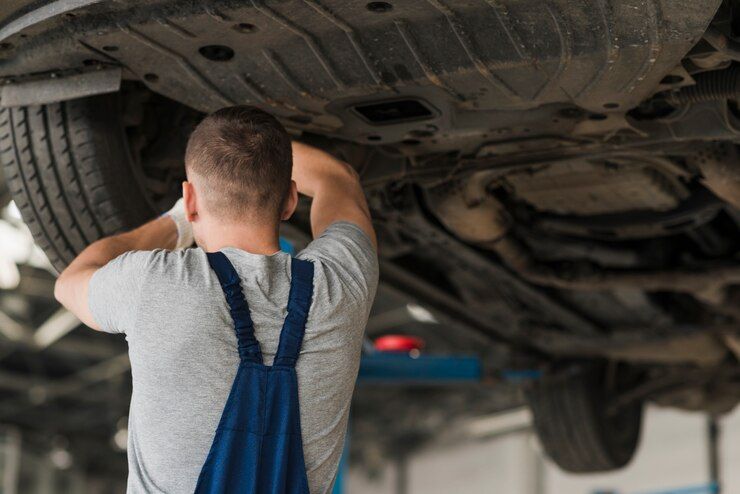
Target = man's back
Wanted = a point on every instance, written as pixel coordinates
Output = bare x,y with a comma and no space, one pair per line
244,176
184,357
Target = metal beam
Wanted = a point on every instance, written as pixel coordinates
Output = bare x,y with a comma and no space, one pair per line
389,319
100,372
498,424
43,392
12,329
43,13
19,335
401,369
55,327
42,91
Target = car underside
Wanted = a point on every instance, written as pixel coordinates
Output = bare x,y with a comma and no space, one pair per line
557,181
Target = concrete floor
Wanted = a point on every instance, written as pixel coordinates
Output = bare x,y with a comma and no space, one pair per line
673,456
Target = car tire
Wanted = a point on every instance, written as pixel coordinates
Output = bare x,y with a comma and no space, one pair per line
70,173
4,193
575,428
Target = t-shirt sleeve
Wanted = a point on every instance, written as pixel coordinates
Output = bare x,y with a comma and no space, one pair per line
115,291
345,250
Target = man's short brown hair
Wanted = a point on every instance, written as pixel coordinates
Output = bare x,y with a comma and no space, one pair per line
243,155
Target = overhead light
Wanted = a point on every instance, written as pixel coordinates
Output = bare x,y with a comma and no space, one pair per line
16,243
12,329
10,277
59,455
60,458
499,423
120,437
421,314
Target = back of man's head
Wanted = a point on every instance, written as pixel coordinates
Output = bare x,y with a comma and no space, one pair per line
240,159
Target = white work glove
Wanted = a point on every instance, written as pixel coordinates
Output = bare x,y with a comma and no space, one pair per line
184,228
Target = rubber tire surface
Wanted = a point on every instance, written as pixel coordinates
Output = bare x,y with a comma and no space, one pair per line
69,170
574,428
4,193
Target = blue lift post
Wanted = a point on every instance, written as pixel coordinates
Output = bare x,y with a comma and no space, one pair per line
710,488
402,369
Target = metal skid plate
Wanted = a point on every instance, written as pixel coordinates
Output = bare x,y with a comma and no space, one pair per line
584,188
317,63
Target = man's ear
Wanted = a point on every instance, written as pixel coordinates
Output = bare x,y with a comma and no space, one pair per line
188,195
290,202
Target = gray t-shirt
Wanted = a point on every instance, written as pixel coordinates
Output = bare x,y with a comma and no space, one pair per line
184,357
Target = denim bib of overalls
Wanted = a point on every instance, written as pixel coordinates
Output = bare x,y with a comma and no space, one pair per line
257,448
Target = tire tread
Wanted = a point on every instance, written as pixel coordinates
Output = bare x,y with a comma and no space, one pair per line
68,168
568,416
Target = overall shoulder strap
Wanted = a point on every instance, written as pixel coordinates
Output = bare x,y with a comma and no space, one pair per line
249,347
299,303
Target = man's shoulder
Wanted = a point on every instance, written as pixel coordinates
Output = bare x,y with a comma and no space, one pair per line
151,265
340,239
347,259
121,291
162,256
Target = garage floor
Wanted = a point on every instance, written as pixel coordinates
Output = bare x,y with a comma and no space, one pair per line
673,459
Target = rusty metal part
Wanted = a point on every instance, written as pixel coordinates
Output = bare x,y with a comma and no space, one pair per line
710,86
42,91
471,213
719,163
703,346
477,217
699,349
703,380
724,45
733,343
591,187
705,283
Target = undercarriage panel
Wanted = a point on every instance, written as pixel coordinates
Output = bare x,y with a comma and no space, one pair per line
439,70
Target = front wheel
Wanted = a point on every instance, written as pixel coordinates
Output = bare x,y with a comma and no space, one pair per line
69,170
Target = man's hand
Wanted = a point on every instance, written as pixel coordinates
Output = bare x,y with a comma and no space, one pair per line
335,189
71,288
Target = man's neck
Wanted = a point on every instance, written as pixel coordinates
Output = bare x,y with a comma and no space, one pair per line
254,238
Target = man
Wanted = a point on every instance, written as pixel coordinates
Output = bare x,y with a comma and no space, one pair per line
180,327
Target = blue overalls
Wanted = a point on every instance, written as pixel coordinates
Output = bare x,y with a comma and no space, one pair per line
257,448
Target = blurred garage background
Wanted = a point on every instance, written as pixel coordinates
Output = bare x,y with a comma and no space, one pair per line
64,393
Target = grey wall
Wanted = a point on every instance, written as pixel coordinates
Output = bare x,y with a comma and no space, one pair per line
673,455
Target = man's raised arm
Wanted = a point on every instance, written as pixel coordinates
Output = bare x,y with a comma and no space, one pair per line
335,189
72,286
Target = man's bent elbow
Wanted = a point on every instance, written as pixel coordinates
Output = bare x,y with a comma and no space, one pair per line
348,178
351,172
60,289
63,288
